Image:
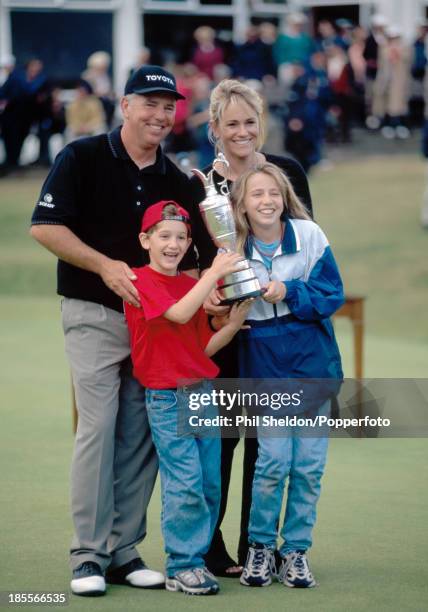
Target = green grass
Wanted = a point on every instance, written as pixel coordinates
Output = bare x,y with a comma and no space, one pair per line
370,539
370,211
371,535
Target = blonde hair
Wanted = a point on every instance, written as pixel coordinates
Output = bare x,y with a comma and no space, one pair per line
228,91
99,59
293,206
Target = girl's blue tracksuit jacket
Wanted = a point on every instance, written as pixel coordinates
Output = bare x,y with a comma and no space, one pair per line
295,338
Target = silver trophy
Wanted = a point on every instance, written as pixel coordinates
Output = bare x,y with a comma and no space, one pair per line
217,213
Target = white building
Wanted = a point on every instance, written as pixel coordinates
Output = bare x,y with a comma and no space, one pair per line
75,28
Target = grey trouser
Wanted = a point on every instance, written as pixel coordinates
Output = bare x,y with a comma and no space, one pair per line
114,463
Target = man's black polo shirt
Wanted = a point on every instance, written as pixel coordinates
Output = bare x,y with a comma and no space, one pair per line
97,191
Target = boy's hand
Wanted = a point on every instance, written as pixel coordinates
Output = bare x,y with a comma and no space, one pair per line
225,263
238,314
275,292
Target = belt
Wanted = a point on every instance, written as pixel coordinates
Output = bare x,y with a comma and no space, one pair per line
191,387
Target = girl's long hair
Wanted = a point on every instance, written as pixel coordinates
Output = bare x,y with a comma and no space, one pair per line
293,207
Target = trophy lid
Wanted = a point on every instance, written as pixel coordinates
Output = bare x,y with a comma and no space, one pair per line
208,180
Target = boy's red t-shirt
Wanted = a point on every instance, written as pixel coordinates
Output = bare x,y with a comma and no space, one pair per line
165,353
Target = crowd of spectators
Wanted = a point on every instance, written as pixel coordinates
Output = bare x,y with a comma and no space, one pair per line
317,86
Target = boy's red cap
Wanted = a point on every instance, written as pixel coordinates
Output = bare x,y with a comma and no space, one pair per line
153,215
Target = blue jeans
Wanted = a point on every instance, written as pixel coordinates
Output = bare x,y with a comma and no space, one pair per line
189,467
302,461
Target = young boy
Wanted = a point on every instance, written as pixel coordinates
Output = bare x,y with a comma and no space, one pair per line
171,341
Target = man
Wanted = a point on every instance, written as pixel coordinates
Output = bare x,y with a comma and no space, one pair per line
89,215
292,46
375,41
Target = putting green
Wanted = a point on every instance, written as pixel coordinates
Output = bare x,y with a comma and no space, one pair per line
371,535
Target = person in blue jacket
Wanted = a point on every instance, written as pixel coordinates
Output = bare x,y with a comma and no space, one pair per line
19,93
290,336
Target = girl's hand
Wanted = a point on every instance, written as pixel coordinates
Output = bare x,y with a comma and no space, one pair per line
275,292
238,314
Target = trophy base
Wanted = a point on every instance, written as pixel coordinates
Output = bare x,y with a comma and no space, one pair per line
241,298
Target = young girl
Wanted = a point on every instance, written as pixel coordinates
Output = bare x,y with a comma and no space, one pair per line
290,336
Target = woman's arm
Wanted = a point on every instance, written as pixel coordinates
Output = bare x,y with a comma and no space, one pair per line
235,321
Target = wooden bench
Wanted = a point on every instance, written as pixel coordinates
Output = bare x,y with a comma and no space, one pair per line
353,309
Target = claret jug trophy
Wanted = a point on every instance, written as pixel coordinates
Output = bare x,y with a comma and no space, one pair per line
217,213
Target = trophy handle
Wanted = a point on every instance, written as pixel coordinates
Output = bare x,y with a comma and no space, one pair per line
206,179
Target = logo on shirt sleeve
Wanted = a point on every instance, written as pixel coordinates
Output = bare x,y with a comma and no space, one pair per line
47,201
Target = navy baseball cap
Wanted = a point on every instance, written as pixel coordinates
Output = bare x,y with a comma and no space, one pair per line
152,79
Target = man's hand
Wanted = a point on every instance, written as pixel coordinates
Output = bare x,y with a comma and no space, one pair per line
61,241
118,277
275,292
212,305
238,314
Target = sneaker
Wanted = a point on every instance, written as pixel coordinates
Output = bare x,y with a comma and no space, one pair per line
388,132
402,132
197,581
372,122
259,566
295,572
136,574
88,580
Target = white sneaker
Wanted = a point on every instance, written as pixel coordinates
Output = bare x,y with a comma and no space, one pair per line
259,566
295,572
372,122
136,574
88,580
402,132
197,581
388,132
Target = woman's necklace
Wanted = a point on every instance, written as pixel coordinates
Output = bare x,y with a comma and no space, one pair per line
227,171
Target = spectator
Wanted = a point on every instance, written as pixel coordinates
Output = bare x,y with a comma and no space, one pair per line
419,53
253,59
143,58
268,33
198,121
392,85
18,93
85,114
7,65
358,65
96,74
50,115
374,42
292,46
341,79
180,139
221,72
307,105
207,53
326,35
343,38
424,211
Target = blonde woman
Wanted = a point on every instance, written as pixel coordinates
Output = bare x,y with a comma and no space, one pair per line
237,129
